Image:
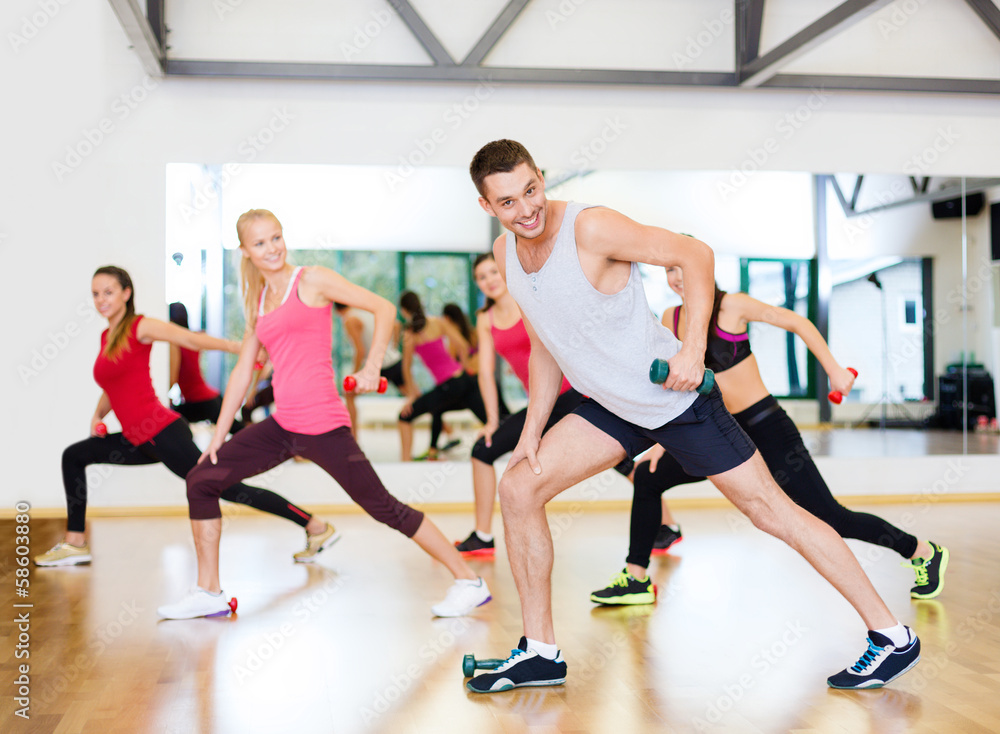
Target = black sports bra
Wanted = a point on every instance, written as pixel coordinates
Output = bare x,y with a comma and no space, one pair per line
724,350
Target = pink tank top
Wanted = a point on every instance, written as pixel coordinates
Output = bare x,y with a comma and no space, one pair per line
437,359
514,345
299,340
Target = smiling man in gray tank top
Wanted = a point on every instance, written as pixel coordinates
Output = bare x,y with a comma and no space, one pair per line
572,270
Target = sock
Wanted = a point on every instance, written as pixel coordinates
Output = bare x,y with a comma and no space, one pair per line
209,592
478,581
485,537
548,652
675,528
897,634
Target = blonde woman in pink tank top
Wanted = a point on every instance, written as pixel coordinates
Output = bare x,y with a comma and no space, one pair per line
290,313
455,388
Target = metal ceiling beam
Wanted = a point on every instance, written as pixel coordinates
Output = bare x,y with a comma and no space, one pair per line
140,35
422,32
749,19
843,16
972,186
455,73
884,83
988,13
156,15
845,205
529,75
493,34
857,191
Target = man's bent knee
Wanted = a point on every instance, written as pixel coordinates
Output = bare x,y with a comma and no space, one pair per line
519,488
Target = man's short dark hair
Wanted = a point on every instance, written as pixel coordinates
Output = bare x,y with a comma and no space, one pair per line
500,156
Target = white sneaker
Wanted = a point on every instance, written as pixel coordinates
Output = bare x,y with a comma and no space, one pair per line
198,603
463,596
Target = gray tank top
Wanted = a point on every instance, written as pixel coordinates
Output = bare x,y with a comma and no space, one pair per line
603,344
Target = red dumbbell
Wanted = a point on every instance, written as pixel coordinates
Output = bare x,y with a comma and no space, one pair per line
100,430
835,396
350,384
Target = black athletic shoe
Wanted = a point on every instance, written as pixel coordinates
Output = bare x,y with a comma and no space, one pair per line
522,668
881,663
666,538
625,588
475,547
930,573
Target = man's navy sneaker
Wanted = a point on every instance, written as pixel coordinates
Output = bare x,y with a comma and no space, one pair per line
881,663
523,668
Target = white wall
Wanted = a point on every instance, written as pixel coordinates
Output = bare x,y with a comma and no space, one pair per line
77,97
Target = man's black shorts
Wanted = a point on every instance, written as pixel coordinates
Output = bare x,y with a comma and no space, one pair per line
705,439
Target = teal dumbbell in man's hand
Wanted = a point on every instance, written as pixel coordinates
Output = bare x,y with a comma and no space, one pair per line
659,370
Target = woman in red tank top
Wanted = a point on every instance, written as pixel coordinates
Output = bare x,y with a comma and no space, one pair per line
500,330
289,311
151,433
199,400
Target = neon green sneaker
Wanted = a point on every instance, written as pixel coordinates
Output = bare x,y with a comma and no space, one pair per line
626,589
64,554
930,573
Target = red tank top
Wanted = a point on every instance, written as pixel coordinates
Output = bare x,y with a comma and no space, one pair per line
193,387
514,345
129,387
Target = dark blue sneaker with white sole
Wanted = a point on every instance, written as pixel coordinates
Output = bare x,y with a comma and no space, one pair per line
881,663
523,668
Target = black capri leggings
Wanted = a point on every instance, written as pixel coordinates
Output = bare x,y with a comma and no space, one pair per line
437,417
780,444
454,393
175,449
205,410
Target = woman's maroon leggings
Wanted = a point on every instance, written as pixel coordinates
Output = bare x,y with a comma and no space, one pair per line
265,445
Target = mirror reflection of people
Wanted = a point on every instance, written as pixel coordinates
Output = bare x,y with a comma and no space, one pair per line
199,400
359,326
429,337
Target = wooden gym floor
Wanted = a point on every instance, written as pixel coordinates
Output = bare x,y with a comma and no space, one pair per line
742,639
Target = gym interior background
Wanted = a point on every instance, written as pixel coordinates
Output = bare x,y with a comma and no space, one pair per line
819,152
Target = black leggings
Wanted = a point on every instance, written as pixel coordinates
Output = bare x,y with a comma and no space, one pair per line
780,445
507,435
264,397
175,449
437,417
455,393
205,410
